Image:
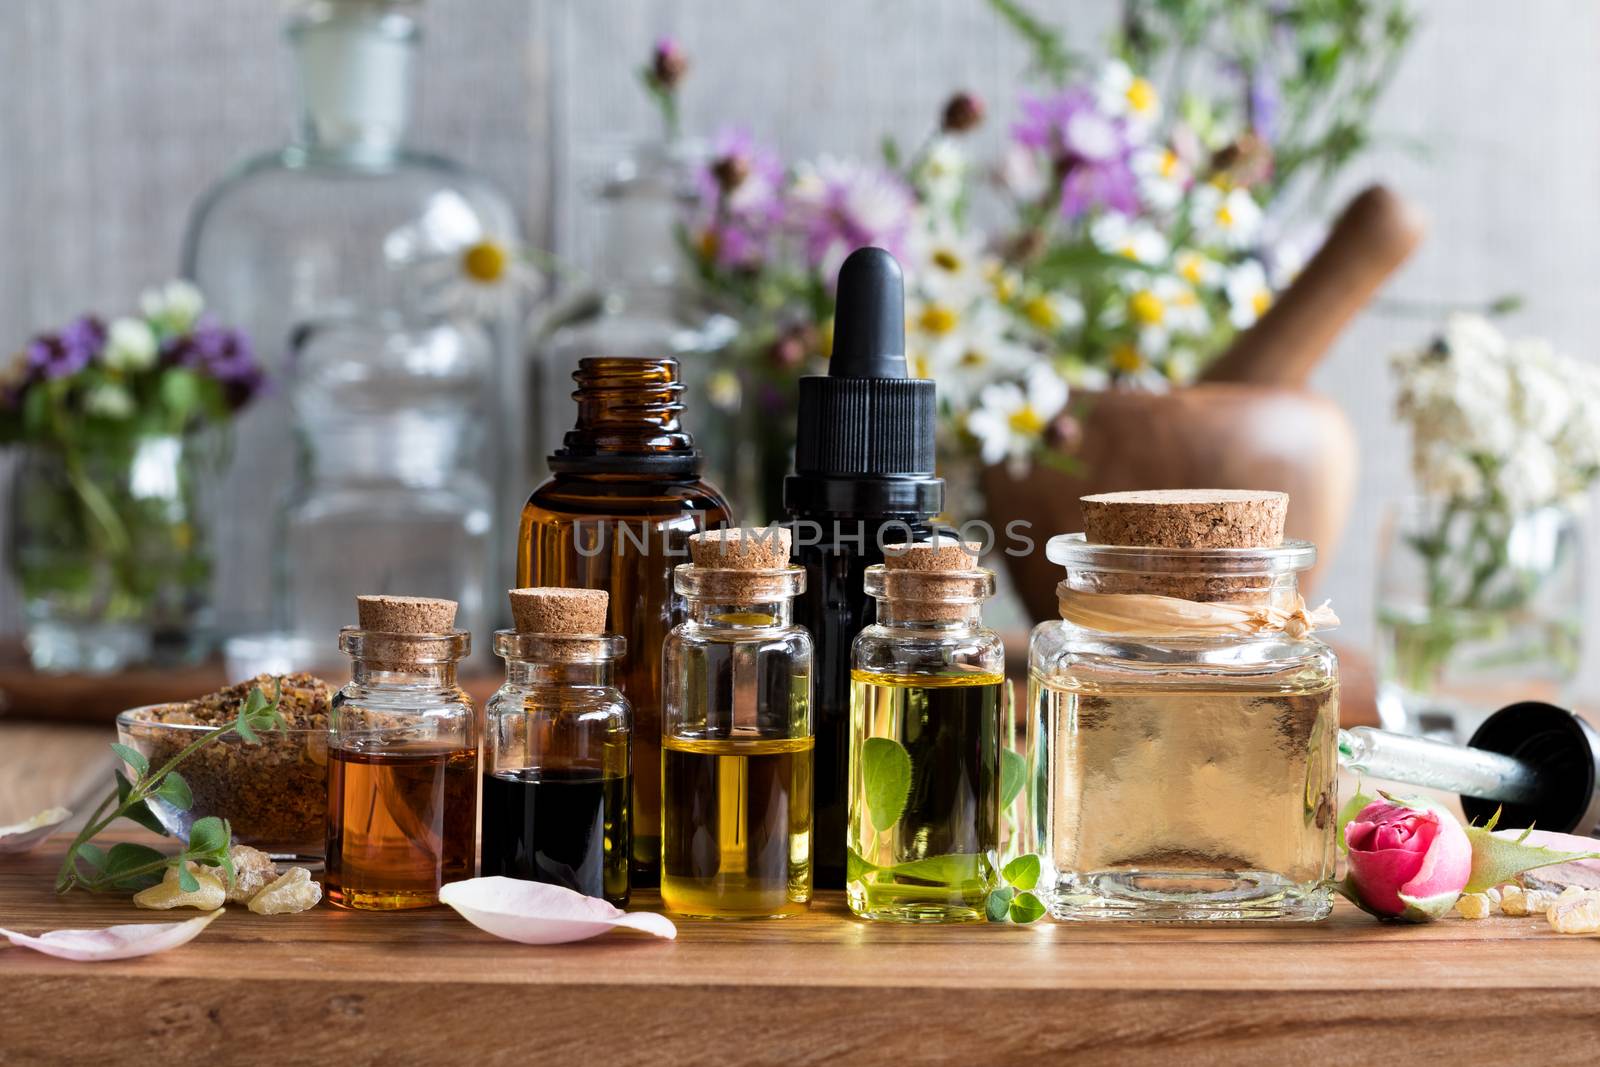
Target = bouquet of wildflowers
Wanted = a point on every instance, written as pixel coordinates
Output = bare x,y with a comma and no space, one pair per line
168,370
1147,205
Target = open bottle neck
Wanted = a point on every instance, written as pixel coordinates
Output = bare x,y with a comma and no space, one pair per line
354,76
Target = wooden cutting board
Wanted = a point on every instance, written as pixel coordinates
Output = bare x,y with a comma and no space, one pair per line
414,987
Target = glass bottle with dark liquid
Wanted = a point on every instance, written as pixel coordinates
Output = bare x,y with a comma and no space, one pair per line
402,758
864,476
557,779
623,498
927,699
736,747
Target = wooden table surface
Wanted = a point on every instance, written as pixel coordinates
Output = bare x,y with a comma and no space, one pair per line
347,988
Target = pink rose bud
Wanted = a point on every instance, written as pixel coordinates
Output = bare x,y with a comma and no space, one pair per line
1408,860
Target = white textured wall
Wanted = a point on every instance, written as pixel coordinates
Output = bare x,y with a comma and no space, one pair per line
115,114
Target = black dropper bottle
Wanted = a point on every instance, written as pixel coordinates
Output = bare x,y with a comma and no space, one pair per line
864,477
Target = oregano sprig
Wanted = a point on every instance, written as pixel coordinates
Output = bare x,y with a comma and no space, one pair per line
129,866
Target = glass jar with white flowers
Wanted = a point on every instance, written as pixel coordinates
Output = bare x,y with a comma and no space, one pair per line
120,430
1480,596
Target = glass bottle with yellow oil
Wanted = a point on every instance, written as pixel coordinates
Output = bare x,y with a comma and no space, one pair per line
402,758
928,696
624,495
736,747
1192,714
557,778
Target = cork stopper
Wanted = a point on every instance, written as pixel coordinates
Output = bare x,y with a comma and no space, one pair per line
547,610
406,614
393,622
742,550
1186,518
936,580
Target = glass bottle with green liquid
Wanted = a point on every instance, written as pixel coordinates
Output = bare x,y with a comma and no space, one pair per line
927,696
736,743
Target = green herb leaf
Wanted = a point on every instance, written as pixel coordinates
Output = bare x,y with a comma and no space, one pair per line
1013,773
186,879
208,836
126,857
93,855
856,867
1026,908
241,726
175,791
139,812
952,869
998,906
1022,872
132,757
886,771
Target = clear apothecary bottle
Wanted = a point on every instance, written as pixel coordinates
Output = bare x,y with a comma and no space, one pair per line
1192,723
557,777
928,692
736,746
402,758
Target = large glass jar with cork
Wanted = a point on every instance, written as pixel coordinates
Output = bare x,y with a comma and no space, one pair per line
737,740
557,776
402,758
927,695
1191,717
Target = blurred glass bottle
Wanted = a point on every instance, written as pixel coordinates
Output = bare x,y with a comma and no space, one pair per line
639,304
347,222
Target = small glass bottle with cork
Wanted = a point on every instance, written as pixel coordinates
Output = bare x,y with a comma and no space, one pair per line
1192,718
736,735
402,758
927,695
557,784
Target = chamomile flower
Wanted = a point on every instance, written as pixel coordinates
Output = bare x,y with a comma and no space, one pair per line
1197,268
1122,236
1163,177
1230,217
1011,418
1052,312
479,280
964,361
941,174
173,308
1249,295
1121,92
947,263
1158,308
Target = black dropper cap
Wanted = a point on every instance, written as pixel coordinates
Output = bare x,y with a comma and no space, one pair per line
1564,753
864,441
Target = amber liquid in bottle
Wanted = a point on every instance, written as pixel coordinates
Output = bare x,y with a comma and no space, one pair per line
616,514
400,824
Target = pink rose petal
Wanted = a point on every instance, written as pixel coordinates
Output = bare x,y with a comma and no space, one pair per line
537,913
22,836
113,942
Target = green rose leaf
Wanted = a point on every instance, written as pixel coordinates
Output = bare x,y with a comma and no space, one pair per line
175,791
856,867
1022,872
886,773
998,906
132,757
1026,908
1497,860
1013,773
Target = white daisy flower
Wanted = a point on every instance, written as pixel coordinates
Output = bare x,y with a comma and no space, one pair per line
966,360
1135,240
1121,92
947,263
942,172
1011,419
109,401
1249,295
1163,177
480,280
1197,268
130,345
1052,312
1230,218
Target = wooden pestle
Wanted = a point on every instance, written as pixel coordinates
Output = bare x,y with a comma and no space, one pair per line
1374,235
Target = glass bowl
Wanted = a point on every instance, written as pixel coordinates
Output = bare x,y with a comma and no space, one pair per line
273,793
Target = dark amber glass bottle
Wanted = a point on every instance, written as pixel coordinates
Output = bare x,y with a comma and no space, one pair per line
624,495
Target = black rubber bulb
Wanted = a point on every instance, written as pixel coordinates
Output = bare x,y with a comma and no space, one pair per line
869,325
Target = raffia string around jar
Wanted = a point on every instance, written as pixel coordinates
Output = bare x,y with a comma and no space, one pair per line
1181,602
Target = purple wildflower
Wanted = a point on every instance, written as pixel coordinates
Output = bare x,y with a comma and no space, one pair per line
740,200
1090,150
1264,105
221,353
840,205
668,63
